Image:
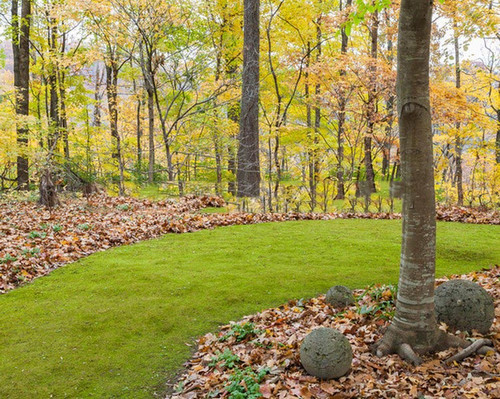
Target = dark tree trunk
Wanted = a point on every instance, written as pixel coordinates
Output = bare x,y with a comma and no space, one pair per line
234,115
458,140
47,189
54,128
341,118
498,135
248,174
20,47
63,120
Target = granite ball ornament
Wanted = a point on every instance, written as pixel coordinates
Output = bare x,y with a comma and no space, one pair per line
464,305
325,353
339,296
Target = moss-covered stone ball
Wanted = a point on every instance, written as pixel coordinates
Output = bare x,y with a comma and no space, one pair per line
325,353
339,296
464,305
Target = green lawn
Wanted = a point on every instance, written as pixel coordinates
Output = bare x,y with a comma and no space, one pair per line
116,324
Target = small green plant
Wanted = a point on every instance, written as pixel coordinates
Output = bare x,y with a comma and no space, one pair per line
43,226
123,207
240,332
228,358
57,228
384,297
245,384
8,258
37,234
84,226
31,251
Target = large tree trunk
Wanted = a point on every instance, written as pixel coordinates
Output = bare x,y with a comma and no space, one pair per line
20,48
248,174
414,328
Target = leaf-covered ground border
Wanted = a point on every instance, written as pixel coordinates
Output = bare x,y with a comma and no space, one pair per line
259,355
35,240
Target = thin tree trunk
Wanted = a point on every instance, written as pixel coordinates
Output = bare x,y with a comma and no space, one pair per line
497,141
371,108
458,140
310,155
386,150
317,113
54,130
341,118
248,174
234,115
218,165
147,72
112,92
138,120
151,135
63,120
20,48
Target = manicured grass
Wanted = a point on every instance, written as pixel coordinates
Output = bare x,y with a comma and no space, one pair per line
116,324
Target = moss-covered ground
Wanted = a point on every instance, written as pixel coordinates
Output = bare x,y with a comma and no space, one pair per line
117,324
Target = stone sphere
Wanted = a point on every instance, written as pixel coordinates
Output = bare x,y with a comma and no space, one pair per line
325,353
339,296
464,305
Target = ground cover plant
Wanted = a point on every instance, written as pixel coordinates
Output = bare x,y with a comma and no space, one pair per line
272,353
116,323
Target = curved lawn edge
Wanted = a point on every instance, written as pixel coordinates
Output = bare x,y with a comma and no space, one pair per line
47,240
116,323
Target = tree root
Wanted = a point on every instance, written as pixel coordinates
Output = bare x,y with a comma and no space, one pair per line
393,343
406,352
472,348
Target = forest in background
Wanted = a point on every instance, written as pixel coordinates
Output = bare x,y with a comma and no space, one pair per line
128,93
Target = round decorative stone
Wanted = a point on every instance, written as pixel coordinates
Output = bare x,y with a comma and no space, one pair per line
339,296
464,305
325,353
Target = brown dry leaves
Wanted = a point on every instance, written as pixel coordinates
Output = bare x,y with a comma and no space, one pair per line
276,346
34,240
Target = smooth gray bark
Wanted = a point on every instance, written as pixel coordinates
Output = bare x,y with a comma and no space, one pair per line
415,323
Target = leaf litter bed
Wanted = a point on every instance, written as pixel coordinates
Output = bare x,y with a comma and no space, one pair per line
35,240
259,355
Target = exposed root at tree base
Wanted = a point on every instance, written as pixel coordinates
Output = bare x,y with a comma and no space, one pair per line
392,343
483,345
